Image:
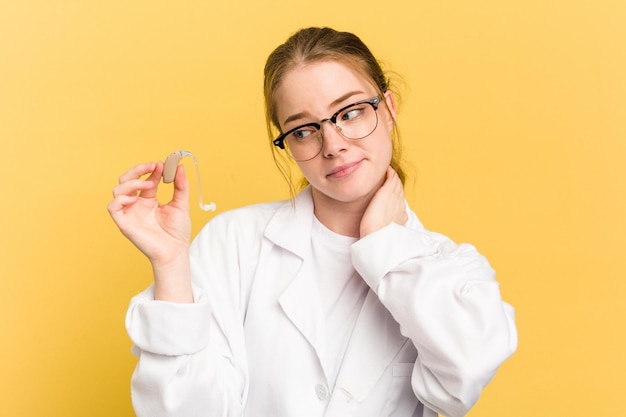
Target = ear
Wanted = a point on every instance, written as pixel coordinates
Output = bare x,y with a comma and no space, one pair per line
391,107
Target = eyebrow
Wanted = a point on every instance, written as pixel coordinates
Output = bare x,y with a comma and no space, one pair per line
335,102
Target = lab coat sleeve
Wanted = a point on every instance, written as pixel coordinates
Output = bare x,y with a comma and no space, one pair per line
181,371
447,301
190,355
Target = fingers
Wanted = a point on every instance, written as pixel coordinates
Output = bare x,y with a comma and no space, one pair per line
130,186
138,171
393,182
386,206
395,196
125,195
154,179
140,184
130,183
117,205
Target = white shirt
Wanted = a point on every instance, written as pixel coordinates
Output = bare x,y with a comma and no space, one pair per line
341,292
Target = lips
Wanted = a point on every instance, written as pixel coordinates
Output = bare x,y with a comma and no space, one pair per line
344,170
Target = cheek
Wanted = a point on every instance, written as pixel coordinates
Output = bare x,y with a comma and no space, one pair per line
308,169
385,149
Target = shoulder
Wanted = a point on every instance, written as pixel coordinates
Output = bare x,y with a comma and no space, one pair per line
255,212
442,244
435,238
251,220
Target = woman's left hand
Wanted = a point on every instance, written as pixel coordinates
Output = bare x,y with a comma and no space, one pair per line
387,206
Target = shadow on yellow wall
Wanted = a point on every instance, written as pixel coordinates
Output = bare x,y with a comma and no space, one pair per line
513,119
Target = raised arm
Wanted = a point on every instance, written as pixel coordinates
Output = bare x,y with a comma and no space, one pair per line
160,231
445,298
186,367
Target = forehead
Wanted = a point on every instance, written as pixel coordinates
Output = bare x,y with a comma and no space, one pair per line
312,87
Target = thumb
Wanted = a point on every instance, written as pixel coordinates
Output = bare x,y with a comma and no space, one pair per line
181,188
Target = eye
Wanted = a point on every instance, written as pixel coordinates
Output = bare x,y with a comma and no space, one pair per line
351,113
302,134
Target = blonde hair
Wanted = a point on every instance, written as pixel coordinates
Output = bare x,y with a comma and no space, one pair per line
316,45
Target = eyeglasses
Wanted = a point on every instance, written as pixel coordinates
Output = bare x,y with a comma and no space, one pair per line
356,121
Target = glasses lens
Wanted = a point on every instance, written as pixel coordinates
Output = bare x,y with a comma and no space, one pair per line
304,144
357,121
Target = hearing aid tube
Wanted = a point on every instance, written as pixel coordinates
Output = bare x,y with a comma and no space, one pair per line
169,173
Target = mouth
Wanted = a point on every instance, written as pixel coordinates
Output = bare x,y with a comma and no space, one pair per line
344,170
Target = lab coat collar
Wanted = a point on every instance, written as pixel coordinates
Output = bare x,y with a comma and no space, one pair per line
290,228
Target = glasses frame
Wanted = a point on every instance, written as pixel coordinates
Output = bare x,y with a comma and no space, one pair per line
280,140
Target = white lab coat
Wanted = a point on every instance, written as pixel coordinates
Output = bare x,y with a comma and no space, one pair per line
430,335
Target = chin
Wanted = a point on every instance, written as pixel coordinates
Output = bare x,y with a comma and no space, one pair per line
347,193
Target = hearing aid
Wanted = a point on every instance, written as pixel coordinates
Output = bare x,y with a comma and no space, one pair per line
170,165
169,173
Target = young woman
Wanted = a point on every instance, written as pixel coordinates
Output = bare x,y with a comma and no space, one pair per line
336,303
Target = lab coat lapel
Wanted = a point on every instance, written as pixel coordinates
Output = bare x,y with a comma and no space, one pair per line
290,229
299,301
375,341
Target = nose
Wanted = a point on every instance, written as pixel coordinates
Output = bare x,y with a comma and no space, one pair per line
333,142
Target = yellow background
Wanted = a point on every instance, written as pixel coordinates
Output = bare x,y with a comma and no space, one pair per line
514,119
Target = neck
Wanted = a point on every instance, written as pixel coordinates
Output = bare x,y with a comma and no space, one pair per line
340,217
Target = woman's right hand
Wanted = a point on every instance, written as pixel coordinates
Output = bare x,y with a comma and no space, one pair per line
161,231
